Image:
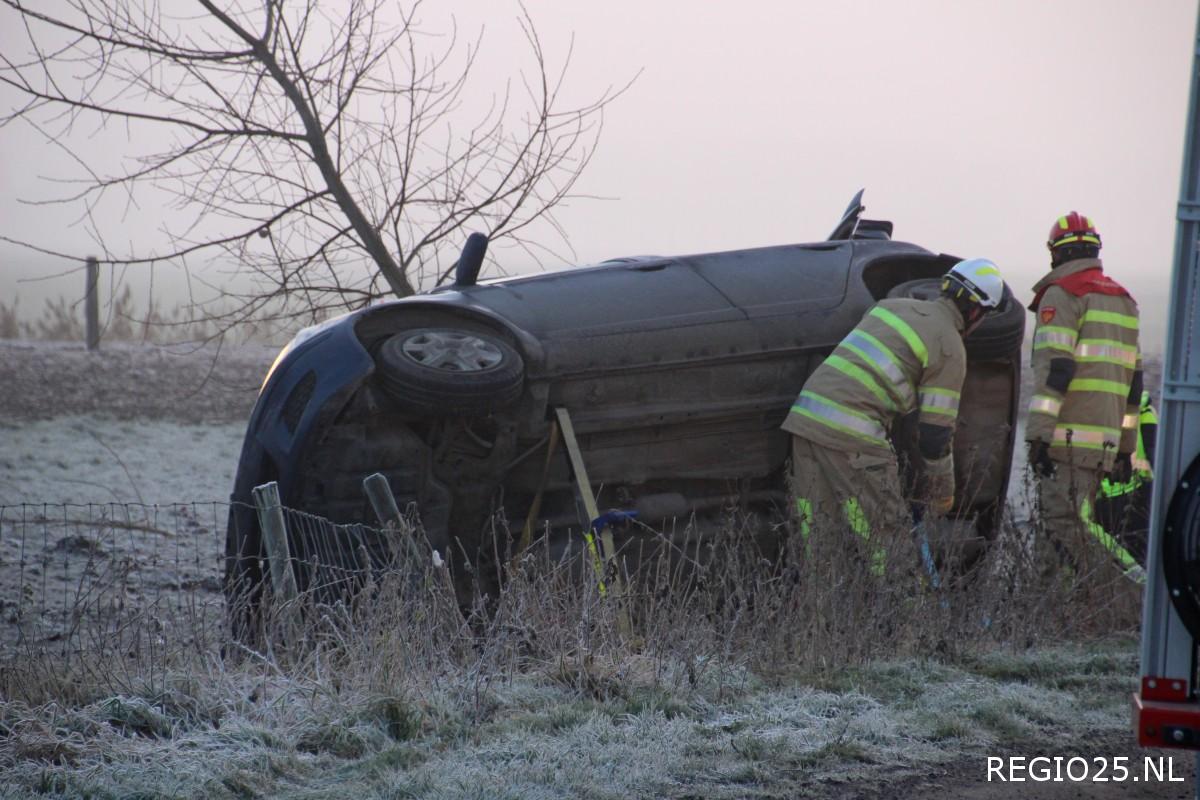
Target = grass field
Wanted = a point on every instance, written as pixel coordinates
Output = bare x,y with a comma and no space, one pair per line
787,692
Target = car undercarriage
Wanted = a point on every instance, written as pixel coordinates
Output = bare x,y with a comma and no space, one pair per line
676,373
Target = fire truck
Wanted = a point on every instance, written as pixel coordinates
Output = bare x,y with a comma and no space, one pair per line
1167,705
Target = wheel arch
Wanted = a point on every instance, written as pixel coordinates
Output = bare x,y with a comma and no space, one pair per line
379,323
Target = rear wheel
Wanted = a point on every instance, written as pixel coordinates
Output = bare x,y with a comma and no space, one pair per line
450,371
999,335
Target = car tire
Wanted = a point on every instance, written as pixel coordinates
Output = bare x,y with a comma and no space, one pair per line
450,371
1180,549
1001,333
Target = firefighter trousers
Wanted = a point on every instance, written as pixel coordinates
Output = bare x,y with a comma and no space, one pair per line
835,490
1066,503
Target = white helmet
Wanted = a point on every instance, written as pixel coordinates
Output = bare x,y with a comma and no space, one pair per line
979,278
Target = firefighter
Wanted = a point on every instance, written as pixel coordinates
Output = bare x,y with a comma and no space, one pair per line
1087,380
905,357
1122,505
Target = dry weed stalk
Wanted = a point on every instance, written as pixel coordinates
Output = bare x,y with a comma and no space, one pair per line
124,320
707,612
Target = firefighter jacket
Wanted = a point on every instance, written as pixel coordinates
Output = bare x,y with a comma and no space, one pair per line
1086,366
905,356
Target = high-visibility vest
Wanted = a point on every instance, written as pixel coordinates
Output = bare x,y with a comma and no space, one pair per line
1143,469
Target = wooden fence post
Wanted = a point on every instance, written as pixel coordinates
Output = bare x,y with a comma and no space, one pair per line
381,497
274,530
91,300
379,492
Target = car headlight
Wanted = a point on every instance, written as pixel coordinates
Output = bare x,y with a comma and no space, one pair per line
300,338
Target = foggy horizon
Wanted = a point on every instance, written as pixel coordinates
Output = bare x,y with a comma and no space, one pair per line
971,128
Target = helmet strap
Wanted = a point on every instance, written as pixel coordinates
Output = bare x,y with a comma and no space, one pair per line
972,318
961,297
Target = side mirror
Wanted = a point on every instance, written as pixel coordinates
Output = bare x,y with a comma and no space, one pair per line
466,271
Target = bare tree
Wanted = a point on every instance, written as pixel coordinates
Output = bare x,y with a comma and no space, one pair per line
304,143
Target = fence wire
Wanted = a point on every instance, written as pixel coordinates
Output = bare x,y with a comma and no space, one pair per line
332,561
79,578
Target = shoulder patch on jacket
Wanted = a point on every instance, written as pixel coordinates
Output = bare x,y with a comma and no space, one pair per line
1046,314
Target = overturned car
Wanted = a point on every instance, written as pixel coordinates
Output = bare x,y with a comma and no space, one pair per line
676,373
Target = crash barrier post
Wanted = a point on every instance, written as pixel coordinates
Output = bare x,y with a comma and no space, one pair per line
274,529
383,503
589,505
91,298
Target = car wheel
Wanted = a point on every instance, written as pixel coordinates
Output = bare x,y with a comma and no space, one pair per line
1001,333
1180,549
450,371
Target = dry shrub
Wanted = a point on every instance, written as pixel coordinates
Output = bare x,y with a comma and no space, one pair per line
60,321
401,659
694,600
10,322
122,319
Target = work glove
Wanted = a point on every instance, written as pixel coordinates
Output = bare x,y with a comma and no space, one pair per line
1136,574
940,506
936,486
1122,469
1039,459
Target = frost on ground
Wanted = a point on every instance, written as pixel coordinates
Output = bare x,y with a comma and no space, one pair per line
113,466
93,459
883,730
129,423
151,437
44,380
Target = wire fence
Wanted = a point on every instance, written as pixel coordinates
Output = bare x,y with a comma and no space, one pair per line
138,585
79,578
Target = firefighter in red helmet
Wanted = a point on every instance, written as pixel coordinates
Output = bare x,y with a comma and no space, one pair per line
1087,385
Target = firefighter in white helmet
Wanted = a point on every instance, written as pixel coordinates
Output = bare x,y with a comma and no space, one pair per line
905,356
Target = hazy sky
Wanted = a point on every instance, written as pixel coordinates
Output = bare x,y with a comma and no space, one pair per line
972,125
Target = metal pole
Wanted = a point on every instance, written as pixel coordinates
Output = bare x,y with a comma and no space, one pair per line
91,299
274,529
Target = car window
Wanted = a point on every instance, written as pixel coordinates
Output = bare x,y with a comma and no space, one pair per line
779,280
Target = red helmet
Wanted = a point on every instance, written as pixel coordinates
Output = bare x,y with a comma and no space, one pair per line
1071,229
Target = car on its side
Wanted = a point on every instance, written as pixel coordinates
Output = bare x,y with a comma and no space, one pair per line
676,373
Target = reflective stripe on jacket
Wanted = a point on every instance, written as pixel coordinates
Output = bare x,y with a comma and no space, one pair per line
905,355
1085,358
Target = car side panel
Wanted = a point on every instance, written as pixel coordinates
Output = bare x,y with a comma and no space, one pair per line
603,301
774,281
